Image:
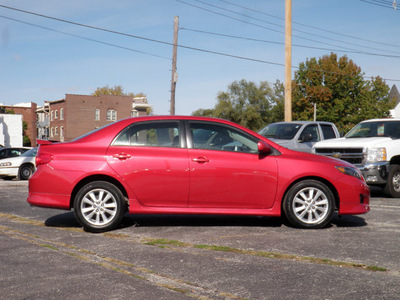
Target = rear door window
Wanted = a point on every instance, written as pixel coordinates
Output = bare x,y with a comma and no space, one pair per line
328,131
152,134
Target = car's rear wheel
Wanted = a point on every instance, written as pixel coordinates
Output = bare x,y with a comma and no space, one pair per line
25,172
99,206
309,204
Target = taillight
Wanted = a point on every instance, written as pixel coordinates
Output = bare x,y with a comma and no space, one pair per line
42,159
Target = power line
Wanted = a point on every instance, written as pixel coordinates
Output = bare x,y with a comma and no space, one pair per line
387,4
83,38
310,26
281,26
165,43
143,38
84,25
281,43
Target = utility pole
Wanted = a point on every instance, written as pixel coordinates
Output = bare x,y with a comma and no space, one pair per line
288,60
174,76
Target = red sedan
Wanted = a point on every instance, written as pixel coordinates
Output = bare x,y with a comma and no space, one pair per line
191,165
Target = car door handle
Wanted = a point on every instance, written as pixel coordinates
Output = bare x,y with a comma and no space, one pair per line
122,156
201,159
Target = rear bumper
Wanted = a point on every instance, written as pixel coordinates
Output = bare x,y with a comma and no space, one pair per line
49,200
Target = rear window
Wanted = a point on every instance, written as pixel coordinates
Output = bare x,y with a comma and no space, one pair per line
283,131
328,131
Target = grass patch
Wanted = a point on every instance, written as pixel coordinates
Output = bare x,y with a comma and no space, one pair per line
165,242
274,255
49,246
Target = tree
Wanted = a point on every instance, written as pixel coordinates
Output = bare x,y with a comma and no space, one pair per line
340,92
248,104
116,91
26,140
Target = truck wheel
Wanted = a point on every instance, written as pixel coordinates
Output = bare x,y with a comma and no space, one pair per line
309,204
392,187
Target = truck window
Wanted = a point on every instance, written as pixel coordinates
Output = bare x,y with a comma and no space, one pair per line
313,130
328,131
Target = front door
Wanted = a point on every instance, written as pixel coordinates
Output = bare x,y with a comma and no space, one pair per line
226,170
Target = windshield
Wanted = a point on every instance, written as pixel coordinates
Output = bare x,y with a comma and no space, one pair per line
31,152
282,131
376,129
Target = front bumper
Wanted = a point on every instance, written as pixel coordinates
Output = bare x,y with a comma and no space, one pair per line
8,172
375,173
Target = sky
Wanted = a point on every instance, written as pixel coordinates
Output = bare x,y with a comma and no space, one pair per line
45,55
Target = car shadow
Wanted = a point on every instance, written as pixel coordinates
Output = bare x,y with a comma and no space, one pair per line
377,192
199,221
65,220
348,221
68,220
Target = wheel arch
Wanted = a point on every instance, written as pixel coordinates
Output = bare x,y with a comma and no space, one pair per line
322,180
93,178
395,160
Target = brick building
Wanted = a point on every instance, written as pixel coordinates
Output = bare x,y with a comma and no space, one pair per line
78,114
28,112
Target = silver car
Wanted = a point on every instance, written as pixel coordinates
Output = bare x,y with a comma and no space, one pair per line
300,135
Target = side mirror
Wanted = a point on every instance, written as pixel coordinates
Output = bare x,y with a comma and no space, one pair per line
263,148
305,138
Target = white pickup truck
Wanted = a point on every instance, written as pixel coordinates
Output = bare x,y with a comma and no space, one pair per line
374,147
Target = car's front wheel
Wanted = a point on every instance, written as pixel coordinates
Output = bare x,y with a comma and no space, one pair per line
99,206
309,204
392,187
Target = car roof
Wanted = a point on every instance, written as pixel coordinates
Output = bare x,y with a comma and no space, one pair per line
27,148
303,122
381,120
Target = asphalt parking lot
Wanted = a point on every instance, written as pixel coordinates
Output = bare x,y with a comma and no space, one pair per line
44,254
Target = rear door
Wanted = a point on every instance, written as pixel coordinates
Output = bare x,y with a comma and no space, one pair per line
153,160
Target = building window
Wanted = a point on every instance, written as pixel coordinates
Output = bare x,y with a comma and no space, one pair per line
62,114
61,133
134,113
111,115
97,114
51,132
56,114
56,131
51,116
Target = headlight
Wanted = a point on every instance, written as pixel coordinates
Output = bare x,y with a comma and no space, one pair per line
375,154
5,164
350,171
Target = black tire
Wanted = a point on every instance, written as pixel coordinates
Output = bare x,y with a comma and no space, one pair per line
309,204
99,206
25,172
392,187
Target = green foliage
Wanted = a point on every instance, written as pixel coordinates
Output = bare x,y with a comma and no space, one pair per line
338,88
25,139
248,104
106,90
335,84
117,90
